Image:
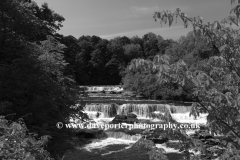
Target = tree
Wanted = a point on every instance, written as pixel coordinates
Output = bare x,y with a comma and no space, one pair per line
30,22
132,51
70,53
33,83
164,44
216,86
193,49
137,40
95,40
97,59
150,44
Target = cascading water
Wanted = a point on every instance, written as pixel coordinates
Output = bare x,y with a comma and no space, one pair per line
142,110
103,88
124,136
107,110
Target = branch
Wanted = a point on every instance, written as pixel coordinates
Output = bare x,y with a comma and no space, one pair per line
199,26
215,115
219,119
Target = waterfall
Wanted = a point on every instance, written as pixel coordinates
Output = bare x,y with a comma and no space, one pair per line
124,136
108,110
111,110
103,88
143,110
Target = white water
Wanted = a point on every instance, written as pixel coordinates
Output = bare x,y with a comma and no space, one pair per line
104,88
185,118
114,141
98,144
141,110
107,112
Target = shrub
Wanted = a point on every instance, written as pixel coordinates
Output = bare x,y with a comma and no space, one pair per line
17,143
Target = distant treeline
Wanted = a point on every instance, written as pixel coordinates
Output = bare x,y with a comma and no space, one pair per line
96,61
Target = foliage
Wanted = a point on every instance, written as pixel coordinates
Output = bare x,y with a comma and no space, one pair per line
132,51
16,143
51,58
33,80
141,77
96,61
19,17
215,85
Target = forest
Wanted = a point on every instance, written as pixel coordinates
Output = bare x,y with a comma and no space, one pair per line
40,71
96,61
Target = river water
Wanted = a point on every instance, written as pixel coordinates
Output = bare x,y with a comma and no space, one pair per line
103,103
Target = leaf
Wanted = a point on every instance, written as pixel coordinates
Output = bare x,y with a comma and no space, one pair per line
214,25
182,16
222,47
164,17
232,10
194,28
194,111
186,23
170,18
233,1
177,13
155,16
232,19
165,67
200,20
236,10
183,82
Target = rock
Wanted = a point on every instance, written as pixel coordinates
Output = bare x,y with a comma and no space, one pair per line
131,115
132,120
159,140
119,119
124,119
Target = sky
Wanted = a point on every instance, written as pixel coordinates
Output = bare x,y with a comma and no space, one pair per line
112,18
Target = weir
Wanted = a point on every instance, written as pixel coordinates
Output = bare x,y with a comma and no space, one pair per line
107,110
103,88
142,110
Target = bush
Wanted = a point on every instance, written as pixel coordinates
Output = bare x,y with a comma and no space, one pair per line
17,143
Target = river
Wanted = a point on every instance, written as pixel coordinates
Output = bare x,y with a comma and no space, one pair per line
103,103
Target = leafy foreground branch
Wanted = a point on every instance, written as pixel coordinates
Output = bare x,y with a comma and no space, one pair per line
214,87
